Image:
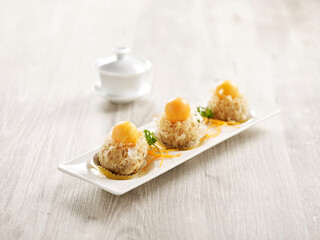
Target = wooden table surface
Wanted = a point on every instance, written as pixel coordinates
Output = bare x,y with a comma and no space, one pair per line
261,184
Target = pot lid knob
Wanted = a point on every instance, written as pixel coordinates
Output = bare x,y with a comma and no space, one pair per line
121,52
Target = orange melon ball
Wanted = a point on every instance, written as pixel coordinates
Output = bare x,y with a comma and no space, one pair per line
177,109
227,88
125,132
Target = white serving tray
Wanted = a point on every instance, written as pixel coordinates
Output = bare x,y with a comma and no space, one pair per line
80,167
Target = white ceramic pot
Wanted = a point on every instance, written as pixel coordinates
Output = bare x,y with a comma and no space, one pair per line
122,75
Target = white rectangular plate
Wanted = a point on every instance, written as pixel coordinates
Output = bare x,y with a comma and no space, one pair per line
80,166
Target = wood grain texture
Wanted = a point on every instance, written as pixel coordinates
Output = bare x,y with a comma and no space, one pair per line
261,184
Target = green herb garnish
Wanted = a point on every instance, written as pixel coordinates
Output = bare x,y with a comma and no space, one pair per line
205,112
150,137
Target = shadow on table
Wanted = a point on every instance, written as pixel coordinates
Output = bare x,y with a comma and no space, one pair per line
110,107
96,203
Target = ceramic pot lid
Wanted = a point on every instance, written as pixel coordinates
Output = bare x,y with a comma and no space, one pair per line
123,64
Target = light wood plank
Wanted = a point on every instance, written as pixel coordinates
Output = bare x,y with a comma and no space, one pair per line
262,184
